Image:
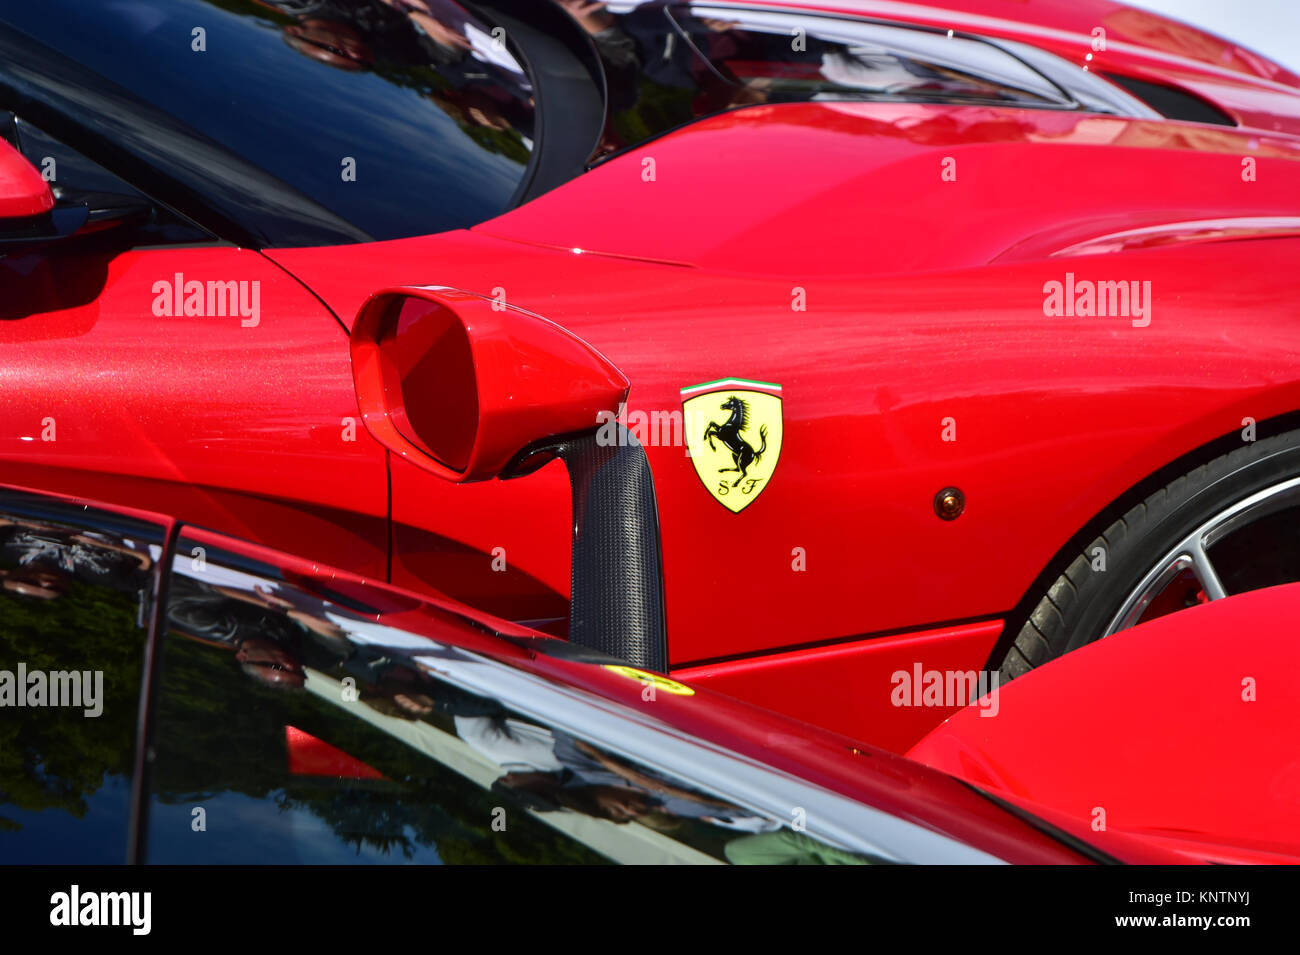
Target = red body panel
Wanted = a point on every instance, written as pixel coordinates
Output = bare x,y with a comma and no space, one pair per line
870,372
878,364
1028,183
1182,730
23,191
232,426
847,687
923,318
500,545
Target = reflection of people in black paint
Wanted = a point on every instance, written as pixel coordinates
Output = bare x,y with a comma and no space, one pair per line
266,643
473,77
38,560
279,630
551,768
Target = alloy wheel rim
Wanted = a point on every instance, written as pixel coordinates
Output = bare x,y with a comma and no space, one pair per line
1191,554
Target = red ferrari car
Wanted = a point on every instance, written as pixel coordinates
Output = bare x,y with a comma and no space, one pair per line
796,349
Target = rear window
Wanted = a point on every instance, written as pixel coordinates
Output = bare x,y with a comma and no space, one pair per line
401,118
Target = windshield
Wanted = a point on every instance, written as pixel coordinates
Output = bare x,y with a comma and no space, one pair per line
398,117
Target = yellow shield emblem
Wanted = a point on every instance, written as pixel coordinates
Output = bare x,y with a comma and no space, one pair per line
733,434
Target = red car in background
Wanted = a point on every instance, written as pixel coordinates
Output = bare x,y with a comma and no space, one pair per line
871,339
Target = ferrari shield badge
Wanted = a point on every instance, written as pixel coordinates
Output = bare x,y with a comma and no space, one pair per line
733,432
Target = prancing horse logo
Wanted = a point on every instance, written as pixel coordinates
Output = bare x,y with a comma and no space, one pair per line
734,457
743,453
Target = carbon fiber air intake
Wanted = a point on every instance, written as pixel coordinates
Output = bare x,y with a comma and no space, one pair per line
616,604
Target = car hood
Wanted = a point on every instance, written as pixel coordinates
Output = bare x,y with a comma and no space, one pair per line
986,180
1026,185
1181,731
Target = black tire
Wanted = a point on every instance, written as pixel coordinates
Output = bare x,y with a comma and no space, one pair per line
1079,606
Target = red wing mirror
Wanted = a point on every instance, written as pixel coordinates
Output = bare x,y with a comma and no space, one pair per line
23,191
459,384
29,216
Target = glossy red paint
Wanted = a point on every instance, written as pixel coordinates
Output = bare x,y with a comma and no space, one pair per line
850,687
221,421
458,384
924,306
1029,183
906,327
1184,233
309,756
23,190
1181,729
502,546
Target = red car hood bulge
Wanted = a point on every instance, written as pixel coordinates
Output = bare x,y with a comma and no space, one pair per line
1181,731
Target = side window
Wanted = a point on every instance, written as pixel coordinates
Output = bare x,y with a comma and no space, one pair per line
75,179
76,585
305,717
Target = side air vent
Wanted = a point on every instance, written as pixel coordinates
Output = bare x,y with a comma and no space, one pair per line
1173,103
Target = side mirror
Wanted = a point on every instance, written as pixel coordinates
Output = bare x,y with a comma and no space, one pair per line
27,211
459,384
469,388
24,193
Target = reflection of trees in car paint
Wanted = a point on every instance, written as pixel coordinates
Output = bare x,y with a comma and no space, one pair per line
422,45
219,732
235,698
438,121
228,726
70,599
